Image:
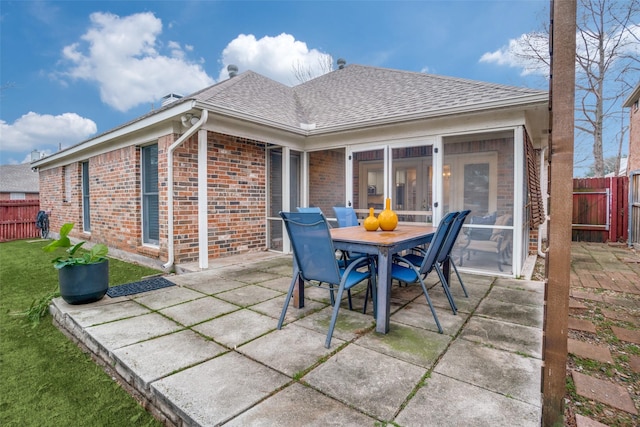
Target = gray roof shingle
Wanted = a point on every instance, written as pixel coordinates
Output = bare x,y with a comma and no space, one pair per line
355,95
18,179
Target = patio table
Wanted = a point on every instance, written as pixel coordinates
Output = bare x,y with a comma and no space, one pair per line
383,244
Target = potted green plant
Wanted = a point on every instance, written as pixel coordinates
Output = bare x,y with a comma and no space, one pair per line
83,278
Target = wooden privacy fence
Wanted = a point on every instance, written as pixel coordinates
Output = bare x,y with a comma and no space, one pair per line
18,219
600,207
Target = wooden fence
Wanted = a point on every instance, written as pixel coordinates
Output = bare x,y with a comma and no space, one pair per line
18,219
600,209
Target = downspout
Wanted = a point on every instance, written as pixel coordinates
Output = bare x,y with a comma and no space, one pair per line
543,225
172,148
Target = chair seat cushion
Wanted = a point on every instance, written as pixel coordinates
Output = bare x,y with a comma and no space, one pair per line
403,274
354,277
414,259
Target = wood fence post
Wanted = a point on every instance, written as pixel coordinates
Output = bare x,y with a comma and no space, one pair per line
558,259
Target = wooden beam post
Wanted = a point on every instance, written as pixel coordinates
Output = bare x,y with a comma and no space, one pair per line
558,260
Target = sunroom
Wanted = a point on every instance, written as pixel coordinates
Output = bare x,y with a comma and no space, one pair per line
486,172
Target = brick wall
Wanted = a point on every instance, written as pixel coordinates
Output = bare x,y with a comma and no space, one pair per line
326,180
236,191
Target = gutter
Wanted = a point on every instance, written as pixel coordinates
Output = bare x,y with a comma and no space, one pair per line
193,129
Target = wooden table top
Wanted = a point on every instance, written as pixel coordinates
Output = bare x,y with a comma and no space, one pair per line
380,237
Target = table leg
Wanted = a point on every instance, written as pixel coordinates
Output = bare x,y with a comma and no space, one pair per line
384,291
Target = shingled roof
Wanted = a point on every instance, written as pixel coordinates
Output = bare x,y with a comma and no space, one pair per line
18,179
358,95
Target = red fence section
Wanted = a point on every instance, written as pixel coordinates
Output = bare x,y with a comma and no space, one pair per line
600,207
18,219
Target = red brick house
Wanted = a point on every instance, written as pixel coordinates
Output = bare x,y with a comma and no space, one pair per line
633,165
205,176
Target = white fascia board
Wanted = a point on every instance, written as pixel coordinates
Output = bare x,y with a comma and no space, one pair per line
140,131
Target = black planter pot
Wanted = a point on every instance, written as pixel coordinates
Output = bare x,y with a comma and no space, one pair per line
82,284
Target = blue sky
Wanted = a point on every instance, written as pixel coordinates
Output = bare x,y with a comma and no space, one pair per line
72,69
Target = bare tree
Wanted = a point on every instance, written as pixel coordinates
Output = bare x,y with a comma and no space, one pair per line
607,67
304,72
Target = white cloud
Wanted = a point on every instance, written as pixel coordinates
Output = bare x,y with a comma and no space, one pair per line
122,56
44,132
519,53
274,57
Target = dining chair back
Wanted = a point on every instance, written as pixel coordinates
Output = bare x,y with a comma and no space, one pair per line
346,216
315,261
313,209
404,271
449,243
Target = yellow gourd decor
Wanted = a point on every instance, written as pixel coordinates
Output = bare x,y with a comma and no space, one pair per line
371,223
388,219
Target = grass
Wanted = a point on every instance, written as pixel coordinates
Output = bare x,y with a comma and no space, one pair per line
45,379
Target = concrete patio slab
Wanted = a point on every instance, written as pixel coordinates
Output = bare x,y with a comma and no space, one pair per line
212,285
124,332
166,297
457,403
527,315
309,347
273,309
236,328
366,380
248,295
413,345
198,311
504,336
153,359
349,325
214,391
298,405
96,315
419,315
500,371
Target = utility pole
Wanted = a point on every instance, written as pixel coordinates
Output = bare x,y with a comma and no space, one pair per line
558,260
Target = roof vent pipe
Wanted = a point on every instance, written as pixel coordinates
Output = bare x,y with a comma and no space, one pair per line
341,63
232,70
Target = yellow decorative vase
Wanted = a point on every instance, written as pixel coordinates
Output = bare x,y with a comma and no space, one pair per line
388,219
371,223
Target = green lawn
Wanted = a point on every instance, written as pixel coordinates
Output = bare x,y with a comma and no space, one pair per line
45,379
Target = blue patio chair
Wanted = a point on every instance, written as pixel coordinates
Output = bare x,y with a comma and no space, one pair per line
404,271
445,252
315,261
313,209
343,259
346,216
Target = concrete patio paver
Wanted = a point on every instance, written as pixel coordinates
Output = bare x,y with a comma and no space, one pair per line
154,359
298,405
369,381
457,403
214,391
499,371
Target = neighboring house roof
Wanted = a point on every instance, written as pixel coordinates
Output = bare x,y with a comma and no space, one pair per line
18,179
352,97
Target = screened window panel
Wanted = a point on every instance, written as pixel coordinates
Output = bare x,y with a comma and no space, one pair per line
150,205
86,205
